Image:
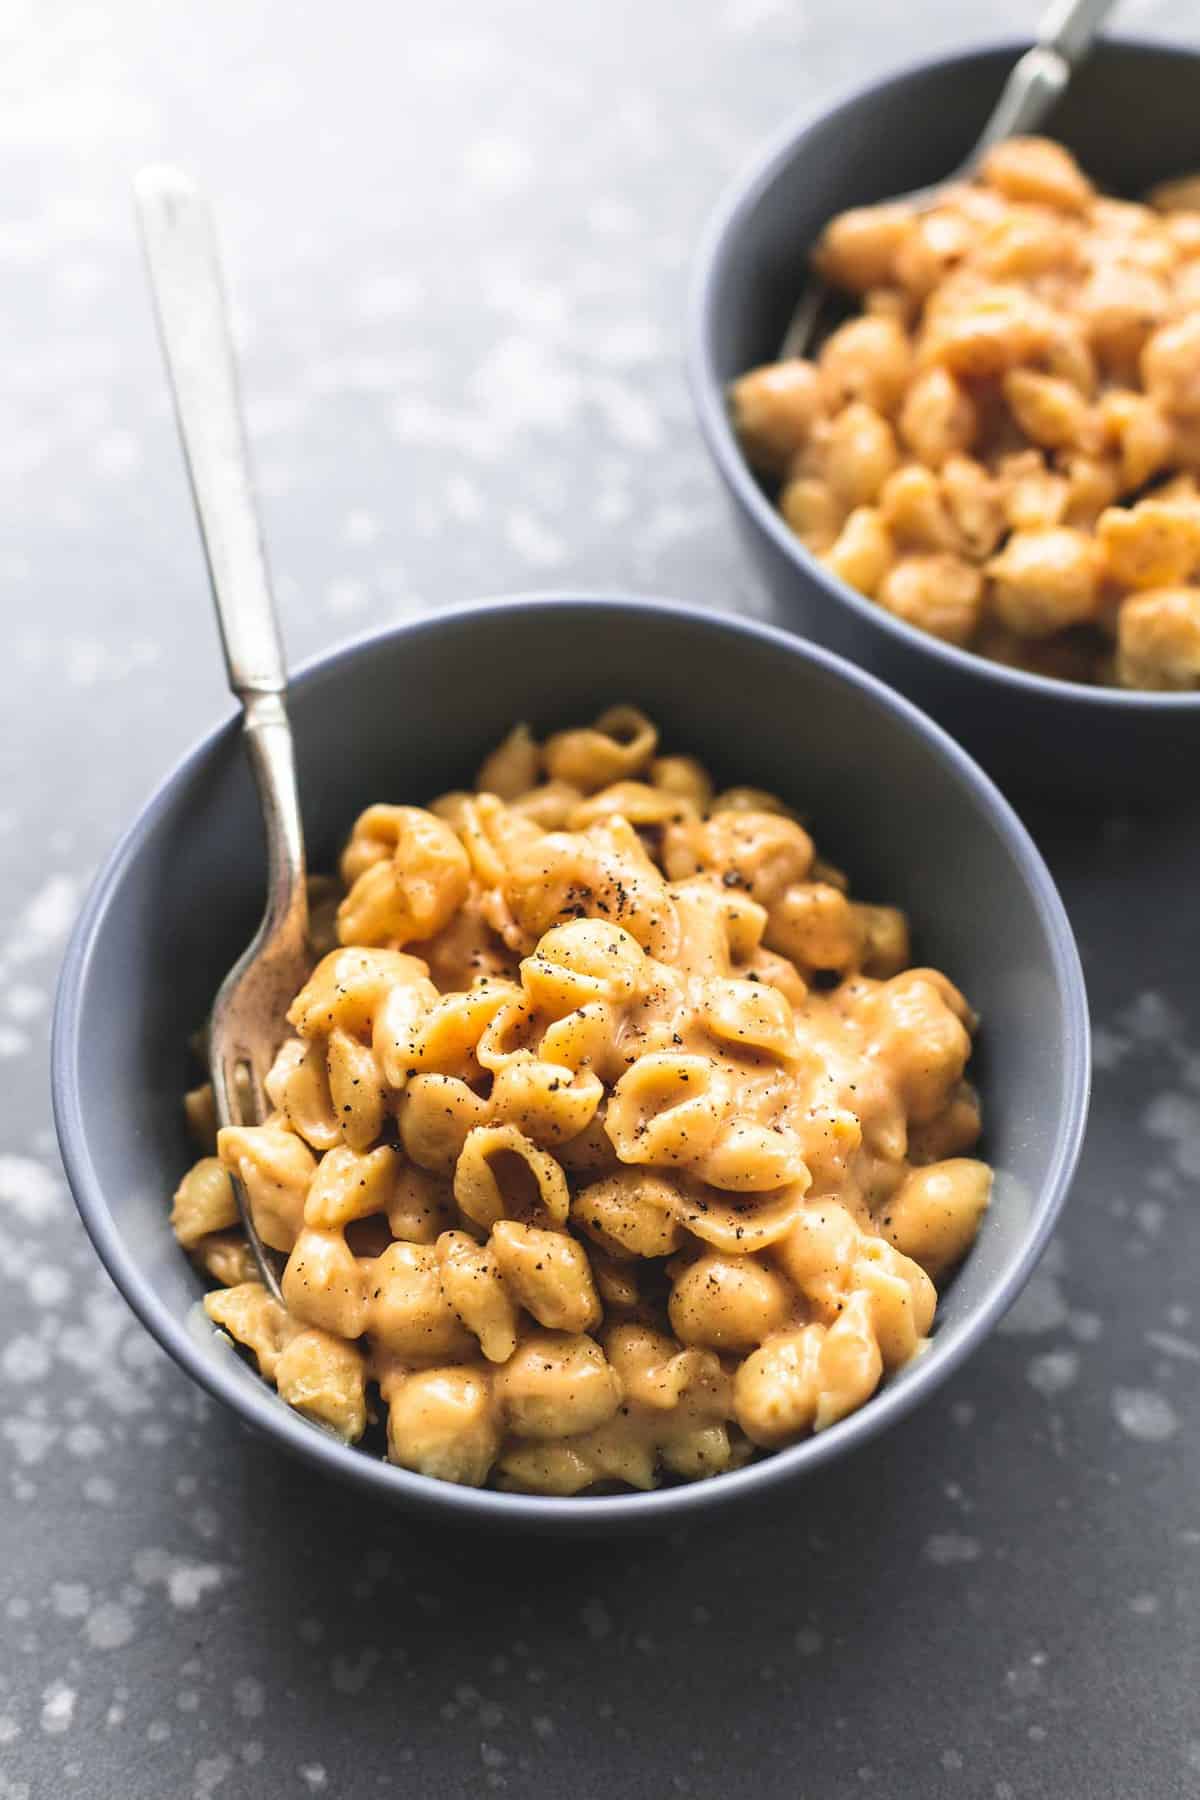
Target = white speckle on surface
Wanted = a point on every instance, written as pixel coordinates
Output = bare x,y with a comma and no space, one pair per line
628,413
945,1548
211,1772
31,1438
158,1731
314,1777
523,384
464,500
499,164
117,455
1171,1345
85,1440
58,1708
1109,1048
351,1675
88,660
1040,1307
534,540
1026,1679
1174,1117
24,1359
1144,1606
612,506
249,1697
416,420
360,527
109,1627
48,1285
206,1522
1053,1372
10,1731
29,1190
70,1599
1152,1019
952,1760
43,922
13,1042
597,1620
347,595
808,1641
100,1490
23,1001
1144,1415
186,1582
384,297
746,16
1150,1215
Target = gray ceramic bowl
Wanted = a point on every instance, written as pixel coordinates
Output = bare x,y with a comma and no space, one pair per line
1131,115
407,714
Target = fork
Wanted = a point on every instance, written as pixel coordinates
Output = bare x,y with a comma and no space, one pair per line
247,1021
1065,35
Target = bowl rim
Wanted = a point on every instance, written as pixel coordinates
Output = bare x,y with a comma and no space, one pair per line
739,197
257,1405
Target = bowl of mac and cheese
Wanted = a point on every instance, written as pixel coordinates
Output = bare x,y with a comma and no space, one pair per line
692,1064
982,481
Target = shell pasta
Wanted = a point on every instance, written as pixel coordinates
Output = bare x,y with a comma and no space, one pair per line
612,1142
1001,446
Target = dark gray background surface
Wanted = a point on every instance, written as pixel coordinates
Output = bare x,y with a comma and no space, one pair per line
459,244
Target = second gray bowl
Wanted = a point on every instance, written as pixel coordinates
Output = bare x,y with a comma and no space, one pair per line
1131,116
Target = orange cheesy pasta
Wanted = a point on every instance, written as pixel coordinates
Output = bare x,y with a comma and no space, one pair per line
612,1142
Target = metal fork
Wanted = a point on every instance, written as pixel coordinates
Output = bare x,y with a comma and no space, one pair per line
247,1021
1065,35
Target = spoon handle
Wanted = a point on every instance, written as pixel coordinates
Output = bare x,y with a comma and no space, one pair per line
193,320
1065,35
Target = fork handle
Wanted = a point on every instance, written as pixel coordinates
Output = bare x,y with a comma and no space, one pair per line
193,320
1065,35
1070,26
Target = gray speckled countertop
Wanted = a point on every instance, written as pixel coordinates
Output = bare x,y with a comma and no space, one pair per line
460,241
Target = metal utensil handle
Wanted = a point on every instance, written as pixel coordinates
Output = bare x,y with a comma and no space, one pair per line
1070,26
189,299
193,319
1065,35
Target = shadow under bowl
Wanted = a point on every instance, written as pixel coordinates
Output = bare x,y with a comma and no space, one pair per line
408,713
1130,116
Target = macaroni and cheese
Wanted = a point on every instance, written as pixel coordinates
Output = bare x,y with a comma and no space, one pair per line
612,1142
1002,447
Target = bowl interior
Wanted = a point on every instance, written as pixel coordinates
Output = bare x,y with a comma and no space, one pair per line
1130,115
408,714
